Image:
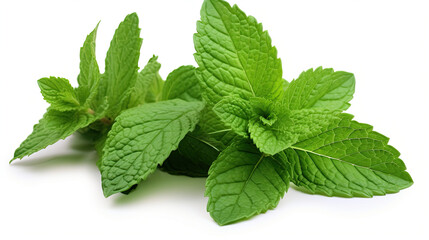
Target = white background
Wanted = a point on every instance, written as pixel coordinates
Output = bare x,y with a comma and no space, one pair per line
56,194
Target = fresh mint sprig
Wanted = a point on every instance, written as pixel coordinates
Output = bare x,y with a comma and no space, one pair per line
289,132
233,119
121,110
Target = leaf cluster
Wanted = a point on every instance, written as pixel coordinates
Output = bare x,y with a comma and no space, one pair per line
233,119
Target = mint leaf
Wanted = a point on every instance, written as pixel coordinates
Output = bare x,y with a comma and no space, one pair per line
182,83
55,125
235,112
285,85
122,65
348,159
89,76
235,55
270,133
59,93
201,147
244,182
269,128
143,137
193,157
149,84
275,128
215,128
321,88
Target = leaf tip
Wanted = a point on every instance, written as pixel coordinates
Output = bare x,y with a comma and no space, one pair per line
132,15
107,192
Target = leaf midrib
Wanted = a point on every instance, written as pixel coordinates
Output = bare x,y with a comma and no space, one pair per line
235,49
143,177
205,142
247,181
337,159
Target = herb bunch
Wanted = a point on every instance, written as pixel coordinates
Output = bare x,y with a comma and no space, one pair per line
233,119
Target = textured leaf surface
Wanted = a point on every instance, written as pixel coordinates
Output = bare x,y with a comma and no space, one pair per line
200,148
142,138
235,112
235,55
122,65
54,126
89,76
149,84
285,85
275,128
193,157
321,88
182,83
349,159
215,128
59,93
274,137
244,182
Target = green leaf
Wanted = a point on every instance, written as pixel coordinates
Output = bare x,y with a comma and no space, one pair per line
143,137
182,83
285,85
235,112
234,54
348,159
321,88
55,125
148,87
89,76
59,93
244,182
269,126
201,147
272,138
216,129
275,128
193,157
122,65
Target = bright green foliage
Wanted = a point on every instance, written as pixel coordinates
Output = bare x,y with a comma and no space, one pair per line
272,127
321,88
79,109
236,113
348,159
213,126
89,76
88,108
122,65
270,113
244,182
182,83
59,93
55,125
271,140
285,85
198,149
283,129
254,134
142,138
151,81
148,85
235,55
299,124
